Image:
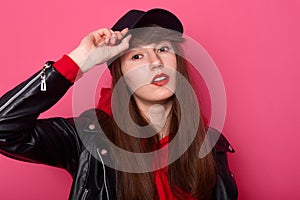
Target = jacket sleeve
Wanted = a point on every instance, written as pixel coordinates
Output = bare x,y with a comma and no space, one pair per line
22,136
226,187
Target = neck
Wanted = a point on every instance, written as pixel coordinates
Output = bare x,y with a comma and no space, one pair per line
157,114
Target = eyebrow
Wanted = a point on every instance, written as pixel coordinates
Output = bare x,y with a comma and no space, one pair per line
155,44
130,50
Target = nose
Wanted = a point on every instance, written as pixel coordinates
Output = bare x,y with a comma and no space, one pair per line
155,61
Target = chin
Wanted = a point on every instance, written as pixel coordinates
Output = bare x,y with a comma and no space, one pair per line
162,96
155,95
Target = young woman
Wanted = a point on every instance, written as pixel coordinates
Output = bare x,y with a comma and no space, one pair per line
151,96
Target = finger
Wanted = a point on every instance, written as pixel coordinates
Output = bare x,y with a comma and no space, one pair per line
102,34
124,31
108,34
108,38
119,35
113,33
124,45
113,38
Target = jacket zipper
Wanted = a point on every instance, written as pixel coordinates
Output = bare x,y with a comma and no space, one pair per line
84,194
27,86
104,174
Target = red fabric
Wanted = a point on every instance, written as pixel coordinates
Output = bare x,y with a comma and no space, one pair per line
161,178
105,101
68,68
160,175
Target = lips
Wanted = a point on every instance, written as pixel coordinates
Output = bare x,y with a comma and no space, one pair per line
160,79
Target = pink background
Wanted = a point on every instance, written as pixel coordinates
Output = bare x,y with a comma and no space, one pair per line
255,44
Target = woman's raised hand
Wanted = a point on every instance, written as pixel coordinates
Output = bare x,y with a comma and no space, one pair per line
98,47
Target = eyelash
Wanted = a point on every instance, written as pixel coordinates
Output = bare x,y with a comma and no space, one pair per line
162,49
135,56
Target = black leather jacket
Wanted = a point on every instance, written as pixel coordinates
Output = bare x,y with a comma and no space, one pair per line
56,142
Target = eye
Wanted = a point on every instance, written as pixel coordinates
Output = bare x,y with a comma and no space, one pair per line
163,49
136,56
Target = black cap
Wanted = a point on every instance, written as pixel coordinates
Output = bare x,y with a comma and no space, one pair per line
138,18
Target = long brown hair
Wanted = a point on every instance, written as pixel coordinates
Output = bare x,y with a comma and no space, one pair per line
190,173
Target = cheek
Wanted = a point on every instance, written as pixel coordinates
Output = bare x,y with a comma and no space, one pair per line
171,61
137,77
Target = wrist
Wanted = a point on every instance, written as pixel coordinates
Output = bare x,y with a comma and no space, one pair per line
79,56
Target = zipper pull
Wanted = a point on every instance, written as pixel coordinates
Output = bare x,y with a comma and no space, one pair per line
43,83
43,77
